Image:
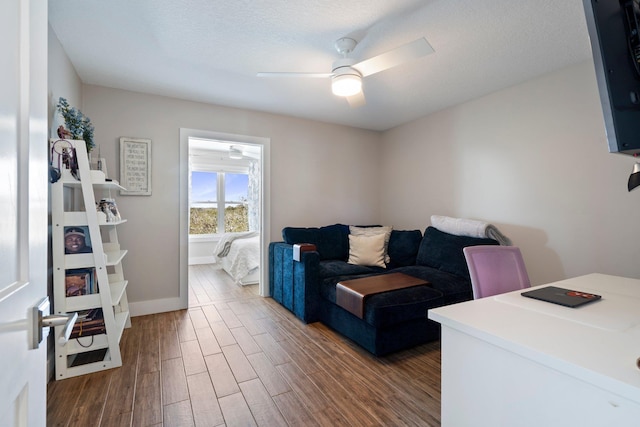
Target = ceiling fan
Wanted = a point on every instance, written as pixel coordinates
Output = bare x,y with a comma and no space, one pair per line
346,74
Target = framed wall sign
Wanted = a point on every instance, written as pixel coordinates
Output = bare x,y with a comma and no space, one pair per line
135,166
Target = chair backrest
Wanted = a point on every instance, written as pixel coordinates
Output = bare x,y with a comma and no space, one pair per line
495,270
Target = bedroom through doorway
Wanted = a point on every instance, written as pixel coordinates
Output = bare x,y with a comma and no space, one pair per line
222,210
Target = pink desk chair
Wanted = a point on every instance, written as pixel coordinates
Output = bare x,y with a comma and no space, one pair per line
495,270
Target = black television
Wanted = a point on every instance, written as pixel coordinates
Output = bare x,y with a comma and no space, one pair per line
614,27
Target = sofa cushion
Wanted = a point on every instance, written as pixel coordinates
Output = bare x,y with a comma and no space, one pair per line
367,250
454,288
403,247
294,235
444,251
371,230
334,268
332,240
390,308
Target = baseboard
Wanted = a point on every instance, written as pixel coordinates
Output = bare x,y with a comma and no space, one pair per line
202,260
156,306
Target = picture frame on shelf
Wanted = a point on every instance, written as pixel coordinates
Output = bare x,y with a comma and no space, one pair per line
110,209
80,281
77,240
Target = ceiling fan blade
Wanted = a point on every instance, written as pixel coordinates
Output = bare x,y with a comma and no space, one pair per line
394,57
293,74
356,100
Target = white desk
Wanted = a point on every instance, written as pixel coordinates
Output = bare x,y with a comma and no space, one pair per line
513,361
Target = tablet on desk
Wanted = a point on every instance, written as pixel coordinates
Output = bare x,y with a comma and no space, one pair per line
562,296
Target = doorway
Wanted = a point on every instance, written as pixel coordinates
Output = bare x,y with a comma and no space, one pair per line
230,153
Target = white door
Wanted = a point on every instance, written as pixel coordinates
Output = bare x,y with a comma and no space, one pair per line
23,200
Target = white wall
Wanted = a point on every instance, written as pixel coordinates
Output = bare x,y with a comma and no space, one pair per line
63,81
531,159
202,251
320,174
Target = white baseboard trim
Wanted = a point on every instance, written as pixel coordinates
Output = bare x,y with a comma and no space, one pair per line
156,306
202,260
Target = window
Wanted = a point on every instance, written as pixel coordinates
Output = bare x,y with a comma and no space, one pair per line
218,202
236,189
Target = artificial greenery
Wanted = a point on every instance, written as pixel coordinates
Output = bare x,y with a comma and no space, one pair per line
78,125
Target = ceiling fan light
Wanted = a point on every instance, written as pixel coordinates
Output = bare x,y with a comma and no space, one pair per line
346,84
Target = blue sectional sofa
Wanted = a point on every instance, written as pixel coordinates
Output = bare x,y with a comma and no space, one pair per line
392,320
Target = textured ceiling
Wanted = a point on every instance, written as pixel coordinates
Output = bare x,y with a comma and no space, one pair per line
210,50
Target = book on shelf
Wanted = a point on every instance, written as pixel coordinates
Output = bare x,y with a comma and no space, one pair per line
89,322
80,281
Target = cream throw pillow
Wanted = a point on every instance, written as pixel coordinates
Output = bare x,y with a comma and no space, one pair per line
367,250
370,231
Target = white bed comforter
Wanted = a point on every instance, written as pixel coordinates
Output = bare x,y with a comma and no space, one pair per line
239,254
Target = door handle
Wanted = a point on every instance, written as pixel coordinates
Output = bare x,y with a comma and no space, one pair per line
41,318
67,319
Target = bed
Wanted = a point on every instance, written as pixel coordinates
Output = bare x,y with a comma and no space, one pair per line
239,256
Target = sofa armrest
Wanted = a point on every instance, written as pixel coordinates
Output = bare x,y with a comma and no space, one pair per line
294,284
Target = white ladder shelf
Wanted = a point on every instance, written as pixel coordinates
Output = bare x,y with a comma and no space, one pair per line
73,204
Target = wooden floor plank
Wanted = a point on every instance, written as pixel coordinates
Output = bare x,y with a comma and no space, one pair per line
89,407
211,314
186,331
149,353
169,342
245,340
174,381
263,408
192,358
178,415
235,358
222,334
198,319
271,327
272,349
353,408
221,375
62,397
236,412
268,374
252,324
208,342
119,400
239,364
147,409
293,410
206,410
308,392
122,419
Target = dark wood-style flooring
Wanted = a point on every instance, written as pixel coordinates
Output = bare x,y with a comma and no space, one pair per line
237,359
